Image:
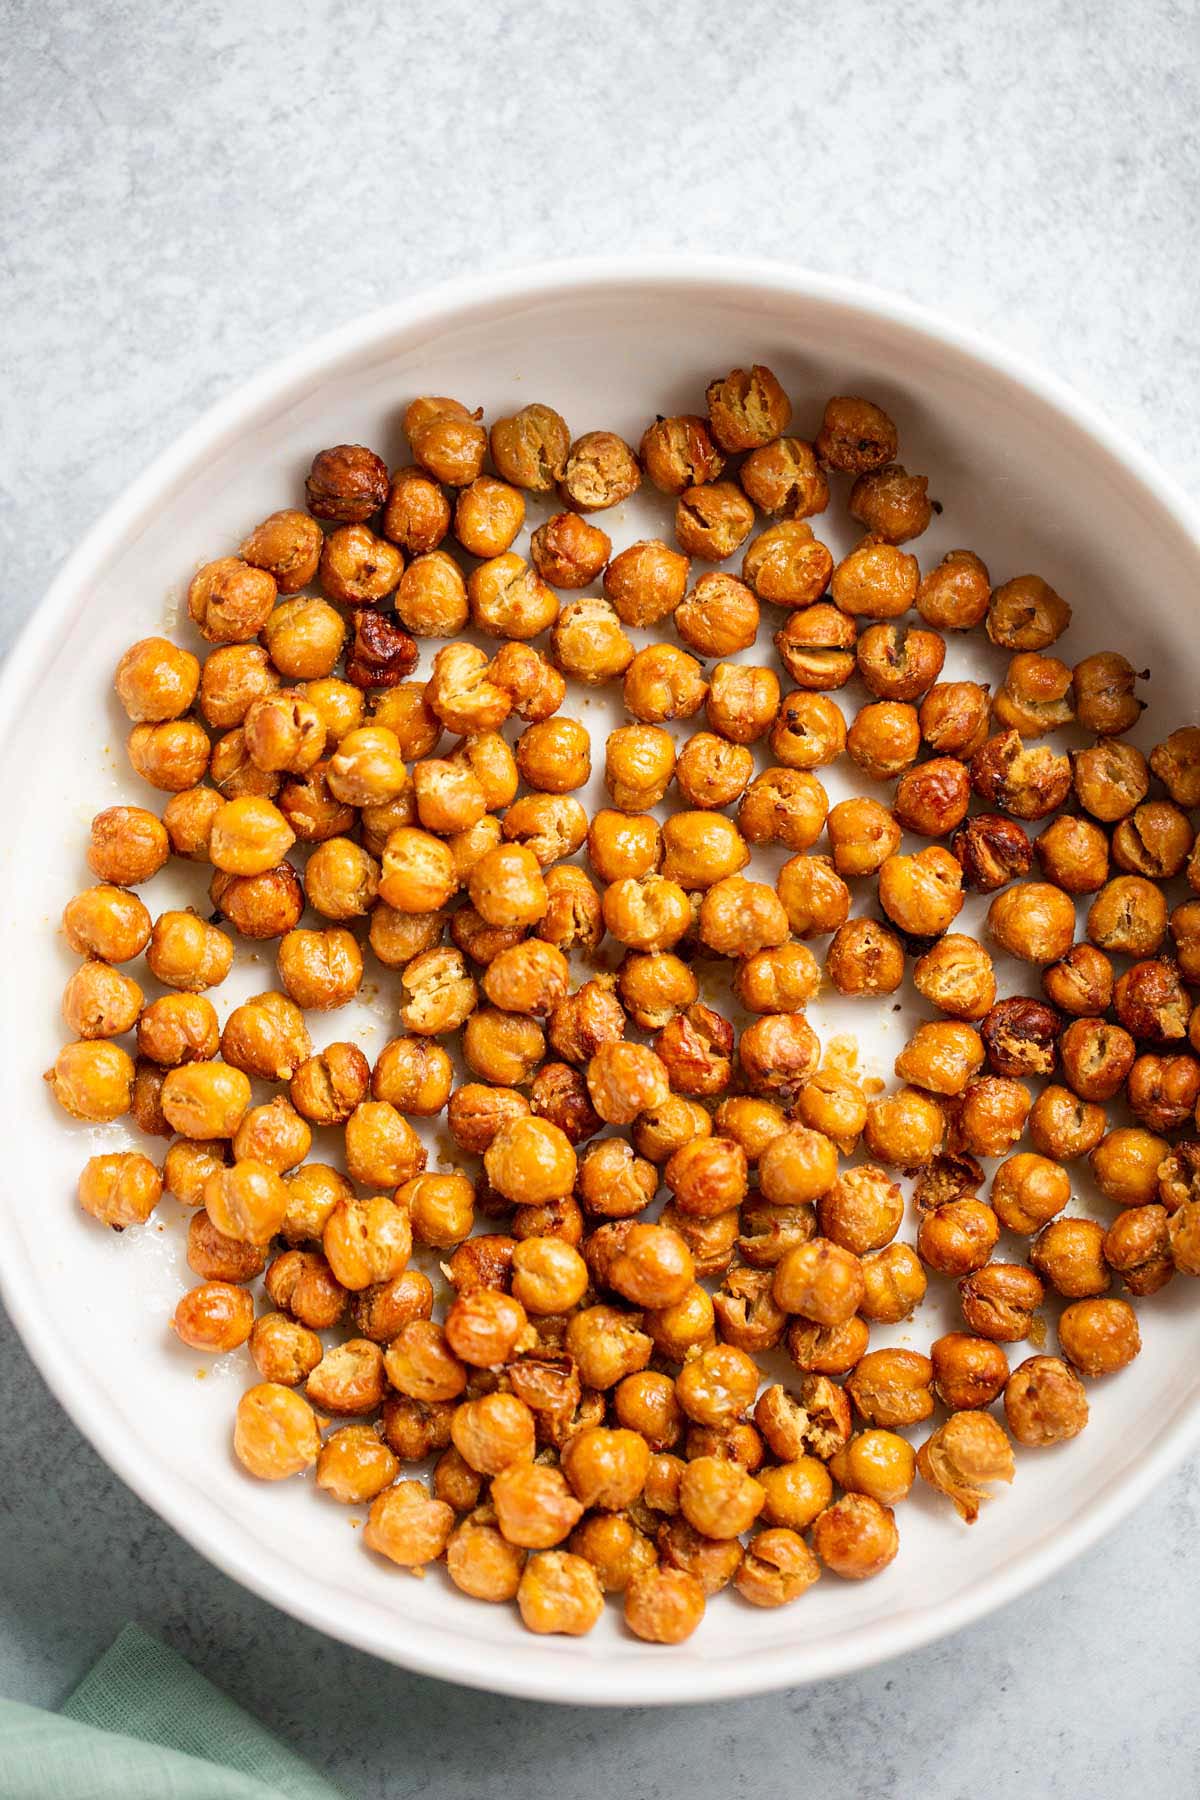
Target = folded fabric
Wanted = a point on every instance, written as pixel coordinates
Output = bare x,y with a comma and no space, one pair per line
144,1725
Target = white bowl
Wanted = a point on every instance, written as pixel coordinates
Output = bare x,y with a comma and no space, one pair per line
1027,475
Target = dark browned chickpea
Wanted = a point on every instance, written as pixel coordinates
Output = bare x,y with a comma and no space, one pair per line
875,581
1019,1036
1026,614
1064,1127
1073,854
1069,1253
747,408
856,436
999,1301
954,717
1028,783
678,453
892,504
865,958
1150,1002
742,701
956,976
1099,1336
1176,762
814,896
922,894
932,799
954,596
809,731
968,1372
969,1450
884,739
1044,1402
993,851
1081,983
646,582
1110,780
1138,1246
1125,1164
787,566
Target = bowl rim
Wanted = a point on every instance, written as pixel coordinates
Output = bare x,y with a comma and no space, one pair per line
476,1664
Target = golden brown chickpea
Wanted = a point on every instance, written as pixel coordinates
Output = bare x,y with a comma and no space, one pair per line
1128,915
827,1349
785,477
1176,762
968,1372
1081,983
700,849
1026,614
717,1386
431,600
229,601
660,1131
942,1056
217,1258
529,1160
876,1463
719,616
1073,854
646,582
816,646
745,1312
856,1537
638,766
555,756
346,483
106,922
788,566
120,1188
459,1485
187,1167
529,977
809,732
1096,1058
747,408
932,799
128,845
589,642
600,471
862,1210
1044,1402
884,739
892,1387
778,1054
678,453
720,1500
496,1430
313,1192
607,1345
205,1099
742,701
487,516
1110,780
509,599
1064,1127
231,680
558,1591
421,1364
288,546
663,683
382,1149
285,1345
1155,840
956,976
1150,1001
568,552
408,1526
1033,921
415,1429
863,835
283,732
856,436
1125,1164
899,664
357,568
275,1433
1138,1246
247,1201
865,958
480,1563
969,1450
1099,1336
999,1302
502,1047
819,1280
156,680
607,1469
1184,1231
875,581
615,1548
304,638
814,896
535,1508
417,513
530,447
664,1605
1029,783
656,987
957,1238
954,596
273,1134
777,981
348,1379
1162,1091
895,1284
100,1002
991,1115
321,970
1036,696
1028,1191
922,894
739,918
446,438
216,1316
954,717
355,1465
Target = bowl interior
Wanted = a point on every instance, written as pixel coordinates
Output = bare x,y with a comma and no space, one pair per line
1019,480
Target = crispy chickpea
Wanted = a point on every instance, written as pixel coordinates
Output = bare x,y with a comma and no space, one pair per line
1179,1175
1155,840
421,1364
875,581
1104,696
529,977
205,1099
899,664
678,453
819,1280
273,1134
145,1099
1138,1246
1110,780
275,1433
1064,1127
1044,1402
128,845
367,1241
100,1002
600,471
809,731
1026,614
530,447
856,436
1099,1336
742,701
814,896
408,1526
884,739
1029,1190
509,599
816,646
788,566
922,894
942,1056
904,1129
778,980
216,1316
778,1054
856,1537
639,763
895,1284
555,755
717,1386
700,849
954,718
355,1465
1176,762
956,976
568,551
720,1500
529,1160
660,1132
785,476
1184,1233
1069,1253
535,1509
107,922
119,1189
1128,915
747,408
1125,1164
1033,921
187,1166
646,582
999,1301
624,1080
664,1605
968,1372
313,1191
655,987
215,1257
1028,782
382,1311
958,1238
1081,982
247,1201
1096,1058
662,683
719,616
954,596
865,958
233,678
1073,854
229,601
589,642
863,834
969,1450
1150,1001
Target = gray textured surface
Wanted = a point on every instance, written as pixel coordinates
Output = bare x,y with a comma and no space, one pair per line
189,191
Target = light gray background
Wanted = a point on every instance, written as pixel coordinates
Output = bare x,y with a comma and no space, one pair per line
189,190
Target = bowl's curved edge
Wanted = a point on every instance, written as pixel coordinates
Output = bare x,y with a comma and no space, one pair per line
562,1680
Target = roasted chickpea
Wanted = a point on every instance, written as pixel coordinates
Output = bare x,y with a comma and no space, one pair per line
876,581
814,896
899,664
1156,840
788,566
655,987
1184,1232
895,1284
942,1056
969,1450
646,582
128,845
530,447
968,1372
1099,1336
863,835
1027,782
777,980
816,646
1125,1164
1138,1246
884,739
700,849
778,1054
1069,1253
958,1238
877,1463
1096,1058
809,731
1081,983
742,701
856,1537
313,1190
819,1280
215,1257
956,976
922,894
1033,921
1044,1402
1128,915
785,477
865,958
205,1099
991,1115
1064,1127
1150,1001
1176,762
229,601
120,1188
600,471
276,1432
747,408
954,717
678,453
663,683
187,1166
1026,614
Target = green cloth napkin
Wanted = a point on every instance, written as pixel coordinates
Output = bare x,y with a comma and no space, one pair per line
144,1725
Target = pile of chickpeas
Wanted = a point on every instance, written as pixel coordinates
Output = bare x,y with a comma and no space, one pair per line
592,1400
